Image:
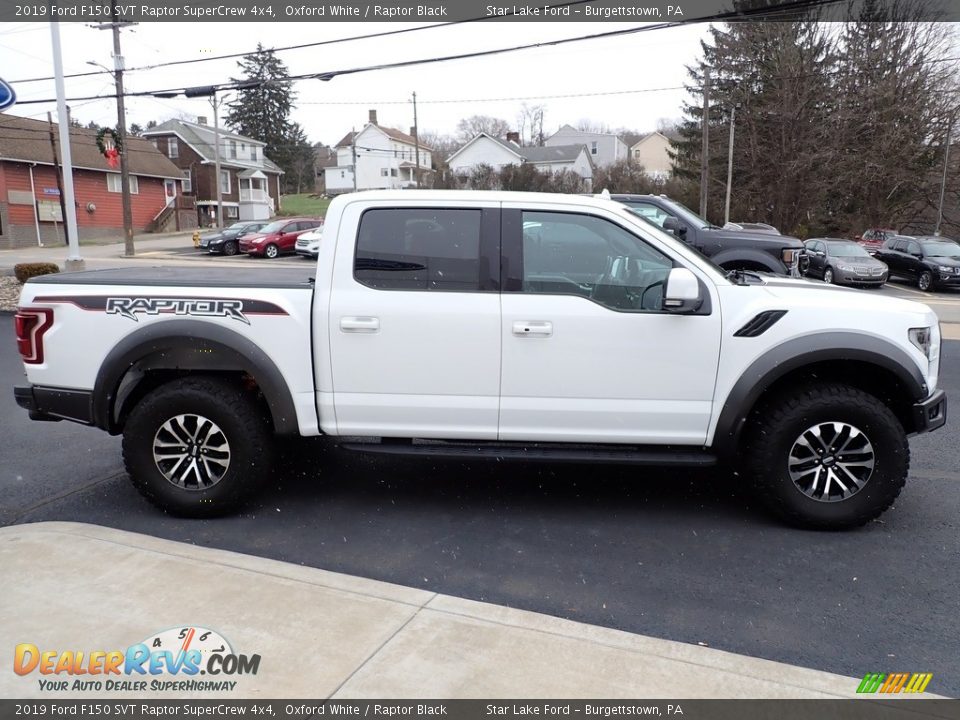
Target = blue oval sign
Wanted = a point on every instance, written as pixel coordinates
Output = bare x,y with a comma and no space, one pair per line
7,96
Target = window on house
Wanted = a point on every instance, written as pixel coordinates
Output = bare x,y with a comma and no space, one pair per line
253,152
419,249
173,148
114,185
225,182
393,172
233,149
593,148
384,172
155,143
343,173
232,212
187,183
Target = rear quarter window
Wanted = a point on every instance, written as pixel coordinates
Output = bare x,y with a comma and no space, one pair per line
419,249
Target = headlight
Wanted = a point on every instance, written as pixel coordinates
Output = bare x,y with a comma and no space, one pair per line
789,256
945,270
922,339
845,268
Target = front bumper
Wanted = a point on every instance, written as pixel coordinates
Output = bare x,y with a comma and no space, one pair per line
930,414
54,404
306,252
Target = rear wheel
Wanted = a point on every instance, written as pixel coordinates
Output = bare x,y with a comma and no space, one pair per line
230,248
198,447
271,251
925,281
827,456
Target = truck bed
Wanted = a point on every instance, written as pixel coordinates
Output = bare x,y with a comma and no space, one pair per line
257,277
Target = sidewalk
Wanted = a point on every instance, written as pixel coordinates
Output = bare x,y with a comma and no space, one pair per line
97,250
325,635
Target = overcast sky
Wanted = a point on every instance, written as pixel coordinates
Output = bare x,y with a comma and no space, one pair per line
327,110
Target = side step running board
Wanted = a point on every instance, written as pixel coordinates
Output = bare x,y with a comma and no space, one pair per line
632,455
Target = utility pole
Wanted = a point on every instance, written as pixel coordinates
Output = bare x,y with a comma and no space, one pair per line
733,121
705,149
128,248
416,143
216,155
59,173
73,261
943,181
353,152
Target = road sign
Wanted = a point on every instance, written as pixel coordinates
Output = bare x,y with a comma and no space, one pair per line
7,96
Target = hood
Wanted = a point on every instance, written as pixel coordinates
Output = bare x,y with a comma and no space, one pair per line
212,236
859,261
945,260
808,291
756,237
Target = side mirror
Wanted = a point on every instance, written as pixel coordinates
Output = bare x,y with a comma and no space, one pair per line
671,224
682,292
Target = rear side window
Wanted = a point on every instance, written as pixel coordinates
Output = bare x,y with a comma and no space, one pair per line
419,249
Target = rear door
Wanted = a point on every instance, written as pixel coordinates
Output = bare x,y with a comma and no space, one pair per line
415,327
588,353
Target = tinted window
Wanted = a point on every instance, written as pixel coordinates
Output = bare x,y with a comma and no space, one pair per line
570,254
414,249
650,212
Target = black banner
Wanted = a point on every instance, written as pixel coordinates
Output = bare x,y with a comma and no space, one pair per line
650,11
871,708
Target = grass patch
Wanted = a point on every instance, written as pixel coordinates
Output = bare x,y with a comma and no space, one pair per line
304,204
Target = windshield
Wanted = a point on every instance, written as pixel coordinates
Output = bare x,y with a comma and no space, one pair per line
942,249
237,226
686,214
273,227
847,249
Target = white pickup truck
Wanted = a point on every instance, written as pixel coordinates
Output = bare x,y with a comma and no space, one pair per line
501,325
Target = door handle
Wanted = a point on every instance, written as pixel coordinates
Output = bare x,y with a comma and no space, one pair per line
533,328
360,324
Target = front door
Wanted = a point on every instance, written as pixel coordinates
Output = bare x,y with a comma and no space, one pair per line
415,328
588,353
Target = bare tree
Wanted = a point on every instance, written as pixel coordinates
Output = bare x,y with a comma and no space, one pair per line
475,124
530,124
587,125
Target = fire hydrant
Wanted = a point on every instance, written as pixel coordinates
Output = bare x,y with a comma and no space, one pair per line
196,238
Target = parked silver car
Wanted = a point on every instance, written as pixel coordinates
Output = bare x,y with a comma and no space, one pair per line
842,262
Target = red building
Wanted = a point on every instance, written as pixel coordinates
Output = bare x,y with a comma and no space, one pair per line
30,211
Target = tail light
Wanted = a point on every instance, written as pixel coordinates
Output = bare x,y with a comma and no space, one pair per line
31,324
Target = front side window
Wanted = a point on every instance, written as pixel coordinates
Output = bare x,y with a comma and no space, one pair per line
572,254
651,212
419,249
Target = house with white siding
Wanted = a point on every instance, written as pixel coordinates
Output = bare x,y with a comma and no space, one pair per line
484,149
377,158
604,148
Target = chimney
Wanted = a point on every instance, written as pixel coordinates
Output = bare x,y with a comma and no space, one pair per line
201,120
413,131
373,117
513,137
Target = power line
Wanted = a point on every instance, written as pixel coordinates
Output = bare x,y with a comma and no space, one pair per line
230,56
766,12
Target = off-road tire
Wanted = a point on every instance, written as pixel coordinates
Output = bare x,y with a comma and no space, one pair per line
779,421
244,423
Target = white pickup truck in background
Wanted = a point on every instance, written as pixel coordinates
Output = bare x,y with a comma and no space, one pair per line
528,326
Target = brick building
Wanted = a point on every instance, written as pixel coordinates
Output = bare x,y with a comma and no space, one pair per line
30,200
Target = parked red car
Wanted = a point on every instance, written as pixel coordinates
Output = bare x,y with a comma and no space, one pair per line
874,238
278,237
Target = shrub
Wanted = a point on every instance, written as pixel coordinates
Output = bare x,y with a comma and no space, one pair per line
25,271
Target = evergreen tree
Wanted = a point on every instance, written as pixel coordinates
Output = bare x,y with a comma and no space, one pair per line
262,112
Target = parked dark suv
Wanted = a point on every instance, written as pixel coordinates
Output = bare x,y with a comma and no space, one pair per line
730,249
930,262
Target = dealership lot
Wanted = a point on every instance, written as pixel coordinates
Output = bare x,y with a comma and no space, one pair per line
680,555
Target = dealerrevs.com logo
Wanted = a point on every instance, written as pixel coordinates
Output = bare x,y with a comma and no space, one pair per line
171,660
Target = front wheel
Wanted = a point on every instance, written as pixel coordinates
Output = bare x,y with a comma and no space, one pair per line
827,456
925,281
828,276
271,251
198,447
230,248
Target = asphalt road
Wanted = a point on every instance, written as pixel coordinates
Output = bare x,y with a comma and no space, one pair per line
679,555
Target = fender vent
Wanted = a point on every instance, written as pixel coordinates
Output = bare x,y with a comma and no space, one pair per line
760,323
